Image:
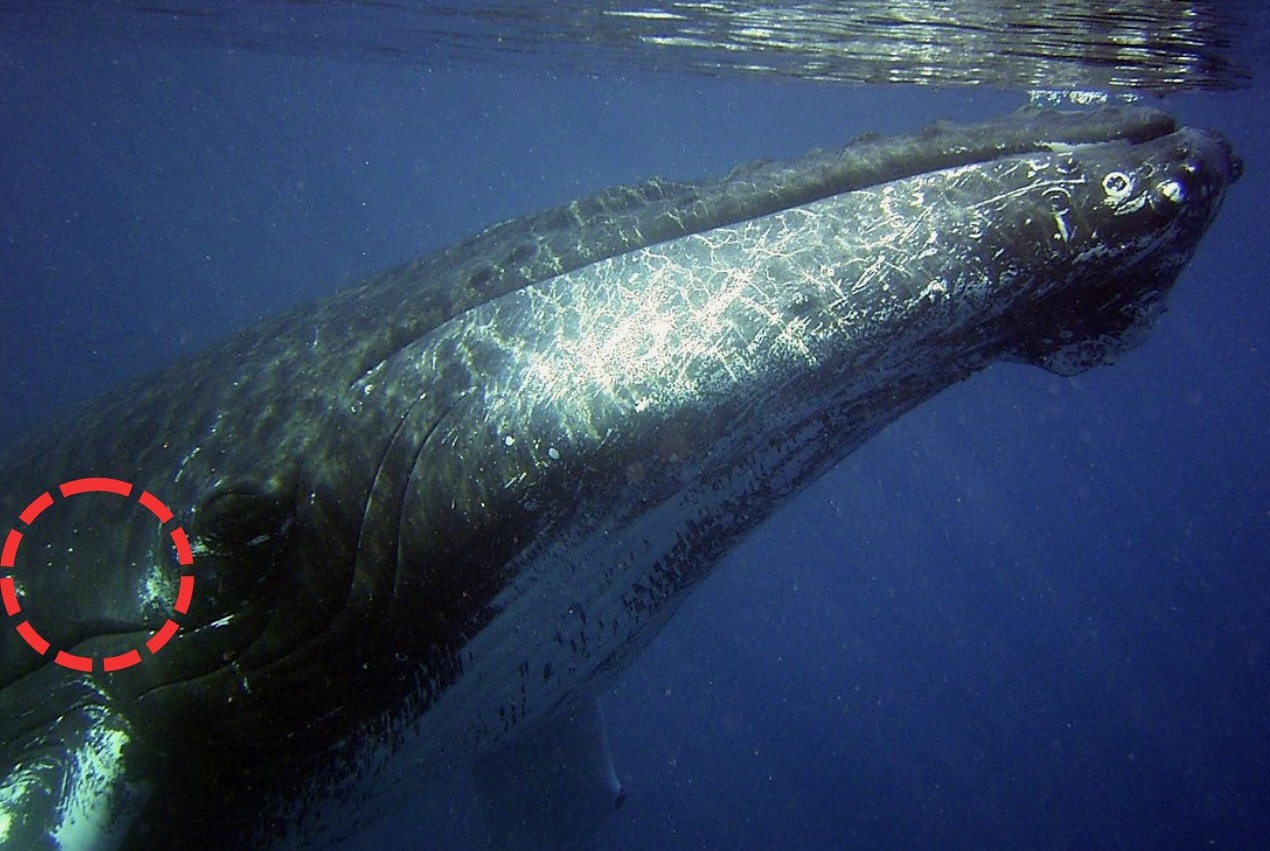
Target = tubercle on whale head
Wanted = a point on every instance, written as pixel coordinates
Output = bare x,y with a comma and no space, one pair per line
1144,210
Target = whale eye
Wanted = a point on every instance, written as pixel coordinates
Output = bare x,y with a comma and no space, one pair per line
1117,185
1172,190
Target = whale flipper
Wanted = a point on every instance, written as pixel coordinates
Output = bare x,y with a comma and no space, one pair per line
76,783
553,787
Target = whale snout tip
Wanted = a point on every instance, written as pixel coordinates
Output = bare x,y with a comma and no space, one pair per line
1234,162
1220,154
1204,164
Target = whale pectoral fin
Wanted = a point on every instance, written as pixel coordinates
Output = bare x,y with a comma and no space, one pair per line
72,784
552,788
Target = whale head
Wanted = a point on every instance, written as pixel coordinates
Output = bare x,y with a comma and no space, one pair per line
1134,215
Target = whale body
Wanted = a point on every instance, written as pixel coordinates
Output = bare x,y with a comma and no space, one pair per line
432,516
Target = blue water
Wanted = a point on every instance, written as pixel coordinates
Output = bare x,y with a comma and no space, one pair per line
1034,613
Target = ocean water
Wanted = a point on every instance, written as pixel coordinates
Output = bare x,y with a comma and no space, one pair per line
1033,613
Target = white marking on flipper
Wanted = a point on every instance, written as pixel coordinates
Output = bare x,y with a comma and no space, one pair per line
552,787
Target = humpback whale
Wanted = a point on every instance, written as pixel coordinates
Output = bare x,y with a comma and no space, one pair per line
430,517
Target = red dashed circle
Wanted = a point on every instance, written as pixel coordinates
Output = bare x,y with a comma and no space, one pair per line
13,606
